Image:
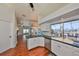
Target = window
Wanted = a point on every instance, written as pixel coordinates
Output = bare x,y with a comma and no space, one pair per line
69,30
56,27
75,25
67,27
56,30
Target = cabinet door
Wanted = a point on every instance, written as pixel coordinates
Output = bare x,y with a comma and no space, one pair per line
70,50
31,43
58,48
35,42
4,36
65,50
55,47
40,41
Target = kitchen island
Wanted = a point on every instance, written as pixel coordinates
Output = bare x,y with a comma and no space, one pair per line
35,42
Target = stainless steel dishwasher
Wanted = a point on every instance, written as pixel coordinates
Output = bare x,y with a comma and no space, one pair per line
48,43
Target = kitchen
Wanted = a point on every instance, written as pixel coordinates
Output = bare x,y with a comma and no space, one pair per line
53,26
60,43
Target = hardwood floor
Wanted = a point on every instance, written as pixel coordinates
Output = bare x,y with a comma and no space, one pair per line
21,50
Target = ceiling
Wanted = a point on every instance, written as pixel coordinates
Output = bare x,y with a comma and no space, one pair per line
44,9
41,9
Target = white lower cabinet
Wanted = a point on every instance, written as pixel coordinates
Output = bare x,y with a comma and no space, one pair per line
35,42
65,50
55,48
62,49
31,43
40,41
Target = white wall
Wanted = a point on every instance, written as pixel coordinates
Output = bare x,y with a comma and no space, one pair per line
13,31
46,27
26,22
4,36
7,27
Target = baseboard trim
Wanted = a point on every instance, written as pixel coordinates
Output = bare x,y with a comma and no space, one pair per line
8,48
4,50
